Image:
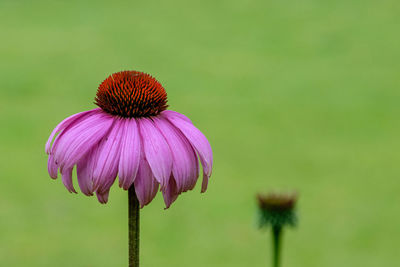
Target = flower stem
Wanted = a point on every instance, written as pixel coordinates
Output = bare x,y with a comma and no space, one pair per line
276,238
134,228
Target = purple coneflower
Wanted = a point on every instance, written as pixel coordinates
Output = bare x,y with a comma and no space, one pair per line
131,135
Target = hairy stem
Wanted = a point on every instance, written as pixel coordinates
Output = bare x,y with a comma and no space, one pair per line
134,227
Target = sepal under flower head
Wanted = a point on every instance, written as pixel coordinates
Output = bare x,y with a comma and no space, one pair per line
277,210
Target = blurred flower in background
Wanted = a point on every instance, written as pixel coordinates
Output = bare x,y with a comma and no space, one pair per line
277,210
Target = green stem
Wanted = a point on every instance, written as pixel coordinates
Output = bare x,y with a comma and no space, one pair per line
134,227
276,238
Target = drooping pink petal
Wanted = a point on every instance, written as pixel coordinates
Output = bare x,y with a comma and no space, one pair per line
52,168
172,113
146,185
65,124
73,144
84,170
130,154
83,119
170,193
66,177
204,183
103,197
199,143
106,168
156,151
185,162
190,183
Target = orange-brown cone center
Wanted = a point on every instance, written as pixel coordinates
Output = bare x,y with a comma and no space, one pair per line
131,94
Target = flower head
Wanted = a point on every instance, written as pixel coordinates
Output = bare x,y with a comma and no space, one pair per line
277,209
131,136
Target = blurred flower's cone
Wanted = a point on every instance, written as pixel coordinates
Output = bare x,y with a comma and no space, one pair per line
277,210
131,135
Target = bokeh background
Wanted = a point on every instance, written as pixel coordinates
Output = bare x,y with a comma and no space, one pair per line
293,95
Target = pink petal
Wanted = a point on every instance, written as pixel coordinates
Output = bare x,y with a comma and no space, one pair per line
65,124
185,168
52,167
172,113
106,168
76,142
156,151
84,169
66,177
103,197
170,193
146,185
204,183
130,154
79,121
199,143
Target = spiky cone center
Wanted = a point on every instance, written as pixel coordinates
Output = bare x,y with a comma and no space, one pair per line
131,94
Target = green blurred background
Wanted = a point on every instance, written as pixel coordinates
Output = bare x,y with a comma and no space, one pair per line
291,94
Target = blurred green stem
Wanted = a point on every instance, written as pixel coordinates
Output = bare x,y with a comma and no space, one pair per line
134,227
276,238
